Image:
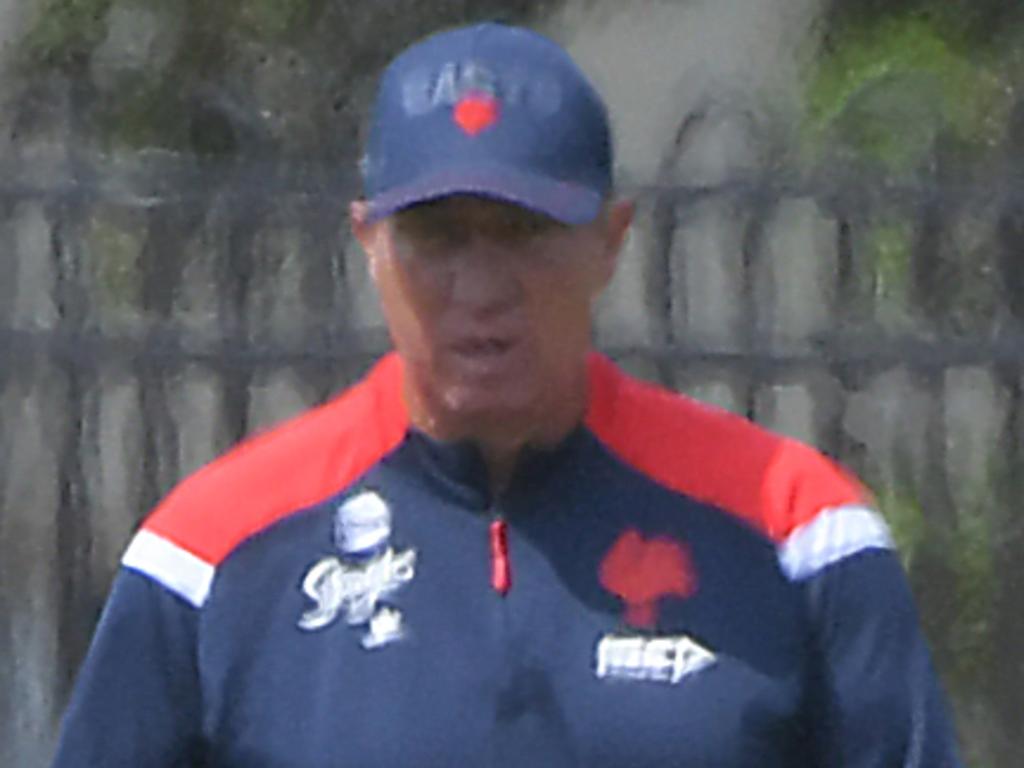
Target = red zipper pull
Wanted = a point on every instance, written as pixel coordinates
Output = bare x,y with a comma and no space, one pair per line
501,569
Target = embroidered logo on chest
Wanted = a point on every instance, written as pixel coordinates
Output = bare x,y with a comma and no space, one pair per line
357,584
642,571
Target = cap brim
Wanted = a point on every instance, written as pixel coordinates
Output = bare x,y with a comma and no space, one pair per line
566,202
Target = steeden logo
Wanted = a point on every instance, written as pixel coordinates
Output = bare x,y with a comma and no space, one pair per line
664,659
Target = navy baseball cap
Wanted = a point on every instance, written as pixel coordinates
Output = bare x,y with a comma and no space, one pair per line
490,110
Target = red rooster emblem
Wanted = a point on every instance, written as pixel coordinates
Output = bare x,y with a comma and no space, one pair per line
642,571
476,112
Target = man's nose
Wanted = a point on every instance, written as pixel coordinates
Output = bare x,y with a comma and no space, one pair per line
484,276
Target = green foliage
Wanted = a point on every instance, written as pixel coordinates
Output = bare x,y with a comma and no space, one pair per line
66,30
909,90
889,88
144,116
272,19
967,641
219,78
906,520
115,253
971,557
889,245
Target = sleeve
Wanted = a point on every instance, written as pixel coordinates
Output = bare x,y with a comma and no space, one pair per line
877,702
136,702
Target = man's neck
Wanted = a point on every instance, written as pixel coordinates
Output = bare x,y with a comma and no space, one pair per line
501,464
501,442
501,450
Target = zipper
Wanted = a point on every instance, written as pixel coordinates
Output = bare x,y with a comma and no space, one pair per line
501,566
501,582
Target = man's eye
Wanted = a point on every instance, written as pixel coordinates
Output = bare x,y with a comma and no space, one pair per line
442,238
440,226
429,248
535,226
514,232
430,230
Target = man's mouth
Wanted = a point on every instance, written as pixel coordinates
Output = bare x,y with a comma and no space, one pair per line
486,355
482,347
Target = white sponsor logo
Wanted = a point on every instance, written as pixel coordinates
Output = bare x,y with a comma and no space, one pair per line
424,90
661,659
355,589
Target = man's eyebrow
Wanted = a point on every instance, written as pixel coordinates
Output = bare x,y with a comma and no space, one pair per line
496,217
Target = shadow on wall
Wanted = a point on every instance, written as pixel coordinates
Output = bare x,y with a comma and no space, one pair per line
700,94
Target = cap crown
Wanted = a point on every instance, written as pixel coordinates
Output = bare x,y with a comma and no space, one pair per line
476,103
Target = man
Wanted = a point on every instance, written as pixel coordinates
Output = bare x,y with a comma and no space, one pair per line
498,549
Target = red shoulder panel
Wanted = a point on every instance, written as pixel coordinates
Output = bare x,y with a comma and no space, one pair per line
773,482
288,468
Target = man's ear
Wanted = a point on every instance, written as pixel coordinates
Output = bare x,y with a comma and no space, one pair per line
366,232
618,217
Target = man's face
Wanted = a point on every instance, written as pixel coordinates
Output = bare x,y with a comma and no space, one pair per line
489,305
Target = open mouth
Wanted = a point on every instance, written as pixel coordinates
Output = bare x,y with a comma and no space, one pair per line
485,355
482,348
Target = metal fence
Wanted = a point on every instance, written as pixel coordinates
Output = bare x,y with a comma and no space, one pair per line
154,310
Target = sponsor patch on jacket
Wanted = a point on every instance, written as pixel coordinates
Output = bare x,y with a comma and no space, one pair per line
662,659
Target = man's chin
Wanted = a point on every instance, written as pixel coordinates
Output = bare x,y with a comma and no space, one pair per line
490,406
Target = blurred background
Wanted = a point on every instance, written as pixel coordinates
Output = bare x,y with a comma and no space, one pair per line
829,241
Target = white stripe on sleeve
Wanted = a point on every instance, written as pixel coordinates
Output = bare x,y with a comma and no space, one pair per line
836,533
168,564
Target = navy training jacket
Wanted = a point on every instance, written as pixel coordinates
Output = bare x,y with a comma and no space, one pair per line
670,586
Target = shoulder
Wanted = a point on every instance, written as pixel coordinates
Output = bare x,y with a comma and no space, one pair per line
775,483
267,478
